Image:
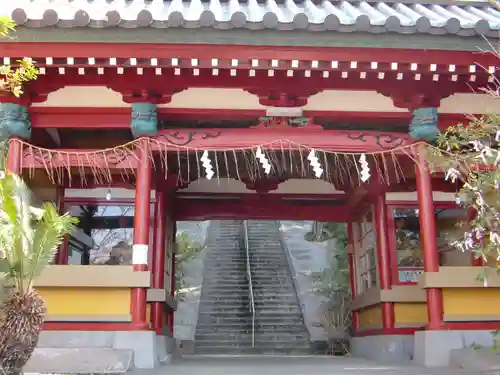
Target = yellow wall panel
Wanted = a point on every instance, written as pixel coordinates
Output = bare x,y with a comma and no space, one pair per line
87,301
370,317
410,314
461,302
148,313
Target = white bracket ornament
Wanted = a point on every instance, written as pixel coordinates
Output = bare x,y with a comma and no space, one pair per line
365,169
315,164
207,164
263,160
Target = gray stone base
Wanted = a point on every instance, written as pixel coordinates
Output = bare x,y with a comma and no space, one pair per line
433,348
384,348
106,351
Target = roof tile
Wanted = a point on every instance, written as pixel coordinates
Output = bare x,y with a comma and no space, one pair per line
343,16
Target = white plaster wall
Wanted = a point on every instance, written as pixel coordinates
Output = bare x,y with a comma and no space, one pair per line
186,316
307,257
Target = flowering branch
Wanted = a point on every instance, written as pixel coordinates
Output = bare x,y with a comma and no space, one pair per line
12,79
471,155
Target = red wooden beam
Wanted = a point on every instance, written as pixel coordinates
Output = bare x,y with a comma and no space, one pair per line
242,196
209,51
273,209
279,139
80,118
119,117
169,83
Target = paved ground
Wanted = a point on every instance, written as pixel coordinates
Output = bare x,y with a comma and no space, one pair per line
198,365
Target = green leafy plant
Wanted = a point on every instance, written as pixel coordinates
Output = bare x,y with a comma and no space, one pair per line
29,238
332,282
186,249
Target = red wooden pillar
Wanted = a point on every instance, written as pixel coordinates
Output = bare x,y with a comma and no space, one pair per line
141,233
428,239
384,258
173,232
158,279
352,270
14,156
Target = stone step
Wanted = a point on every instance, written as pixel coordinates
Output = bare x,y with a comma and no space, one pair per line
271,314
246,301
263,335
259,310
226,349
260,305
207,319
236,269
88,361
236,292
267,316
213,295
265,326
244,289
262,343
270,276
247,337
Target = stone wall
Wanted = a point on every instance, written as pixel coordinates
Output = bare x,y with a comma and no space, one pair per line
186,315
307,257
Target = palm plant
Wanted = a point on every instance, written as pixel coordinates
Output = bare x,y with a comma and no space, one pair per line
29,238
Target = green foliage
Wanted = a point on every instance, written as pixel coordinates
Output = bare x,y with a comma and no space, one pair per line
29,236
6,26
332,282
13,78
186,249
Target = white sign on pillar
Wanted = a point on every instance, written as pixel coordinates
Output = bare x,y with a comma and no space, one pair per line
139,254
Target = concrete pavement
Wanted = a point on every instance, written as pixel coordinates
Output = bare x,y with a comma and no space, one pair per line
310,365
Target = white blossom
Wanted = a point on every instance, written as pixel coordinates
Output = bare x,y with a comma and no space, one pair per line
494,237
452,174
478,145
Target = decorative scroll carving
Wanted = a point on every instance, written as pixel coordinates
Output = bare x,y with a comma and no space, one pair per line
183,138
287,122
384,141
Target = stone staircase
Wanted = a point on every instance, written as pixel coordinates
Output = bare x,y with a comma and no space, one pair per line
280,327
225,321
224,312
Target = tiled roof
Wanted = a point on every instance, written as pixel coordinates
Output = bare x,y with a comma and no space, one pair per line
345,16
